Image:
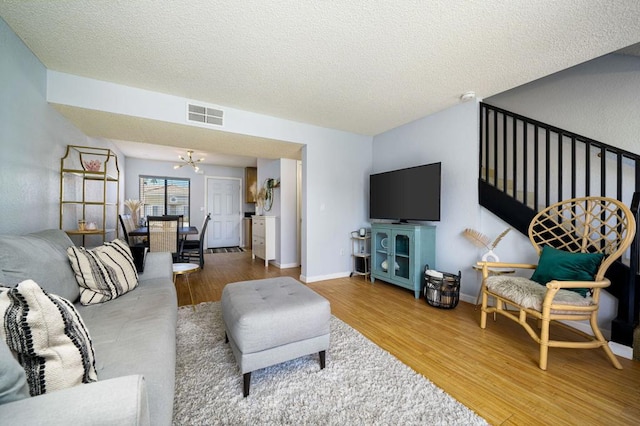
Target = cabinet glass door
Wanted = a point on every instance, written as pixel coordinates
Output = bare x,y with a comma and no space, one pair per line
402,256
381,245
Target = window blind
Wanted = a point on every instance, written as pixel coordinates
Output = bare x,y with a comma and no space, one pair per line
166,196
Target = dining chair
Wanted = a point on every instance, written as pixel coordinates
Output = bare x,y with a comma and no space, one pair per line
194,249
180,219
164,236
127,226
138,245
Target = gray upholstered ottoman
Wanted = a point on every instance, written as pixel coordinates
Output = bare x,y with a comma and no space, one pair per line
274,320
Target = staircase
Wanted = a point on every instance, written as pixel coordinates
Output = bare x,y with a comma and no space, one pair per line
526,165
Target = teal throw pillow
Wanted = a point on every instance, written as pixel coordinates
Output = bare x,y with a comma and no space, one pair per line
562,265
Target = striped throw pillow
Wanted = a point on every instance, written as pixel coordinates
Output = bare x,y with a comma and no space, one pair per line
47,337
103,273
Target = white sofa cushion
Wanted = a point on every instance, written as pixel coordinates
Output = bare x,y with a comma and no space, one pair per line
104,272
47,336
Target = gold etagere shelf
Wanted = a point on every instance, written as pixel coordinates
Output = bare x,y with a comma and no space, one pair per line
89,194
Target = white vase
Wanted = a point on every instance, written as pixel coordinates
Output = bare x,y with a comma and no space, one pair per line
490,256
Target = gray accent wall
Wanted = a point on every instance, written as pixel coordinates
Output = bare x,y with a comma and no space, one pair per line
33,138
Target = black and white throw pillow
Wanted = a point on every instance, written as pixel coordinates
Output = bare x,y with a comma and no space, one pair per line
103,273
47,336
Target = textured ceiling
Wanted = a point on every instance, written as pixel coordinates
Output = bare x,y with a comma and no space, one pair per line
354,65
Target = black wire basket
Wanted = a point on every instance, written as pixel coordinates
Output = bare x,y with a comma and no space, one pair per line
441,289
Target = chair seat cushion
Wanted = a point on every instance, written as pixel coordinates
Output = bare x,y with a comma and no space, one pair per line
530,294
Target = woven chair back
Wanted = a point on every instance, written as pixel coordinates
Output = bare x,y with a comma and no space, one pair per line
585,225
163,233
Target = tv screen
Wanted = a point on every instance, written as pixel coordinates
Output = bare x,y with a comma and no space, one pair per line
406,194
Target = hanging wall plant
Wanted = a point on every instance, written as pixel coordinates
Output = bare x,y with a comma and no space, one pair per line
269,185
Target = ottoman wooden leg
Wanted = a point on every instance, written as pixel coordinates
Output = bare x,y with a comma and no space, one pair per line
322,359
247,383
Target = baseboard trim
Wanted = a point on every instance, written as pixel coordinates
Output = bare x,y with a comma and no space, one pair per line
467,298
288,265
621,350
313,279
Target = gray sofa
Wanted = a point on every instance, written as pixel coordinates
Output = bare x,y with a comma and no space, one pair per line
133,338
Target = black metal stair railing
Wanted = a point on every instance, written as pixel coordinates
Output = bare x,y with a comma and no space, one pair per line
627,319
526,165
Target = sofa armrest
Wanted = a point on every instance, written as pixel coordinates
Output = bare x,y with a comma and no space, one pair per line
118,401
157,265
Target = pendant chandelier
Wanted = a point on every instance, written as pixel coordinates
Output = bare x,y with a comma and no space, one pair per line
189,161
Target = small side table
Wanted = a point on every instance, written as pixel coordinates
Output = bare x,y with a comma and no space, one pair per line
492,271
361,254
185,269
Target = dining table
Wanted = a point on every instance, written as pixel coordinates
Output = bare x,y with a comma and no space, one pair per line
183,230
138,251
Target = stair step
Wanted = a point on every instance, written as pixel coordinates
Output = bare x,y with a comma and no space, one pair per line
519,194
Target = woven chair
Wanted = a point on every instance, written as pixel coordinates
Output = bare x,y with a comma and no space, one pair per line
164,236
194,249
579,229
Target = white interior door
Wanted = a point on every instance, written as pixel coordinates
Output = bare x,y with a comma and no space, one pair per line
223,202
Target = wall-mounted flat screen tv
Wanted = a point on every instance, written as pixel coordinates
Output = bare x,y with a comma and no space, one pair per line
406,194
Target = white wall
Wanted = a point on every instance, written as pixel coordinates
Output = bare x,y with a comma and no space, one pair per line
335,163
288,213
451,137
599,99
33,138
284,208
136,167
335,177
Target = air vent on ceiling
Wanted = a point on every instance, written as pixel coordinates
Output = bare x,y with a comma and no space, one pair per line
205,115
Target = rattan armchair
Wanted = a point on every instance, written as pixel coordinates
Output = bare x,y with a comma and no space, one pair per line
579,225
163,234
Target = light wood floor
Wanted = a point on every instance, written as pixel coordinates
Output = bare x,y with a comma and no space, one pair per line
494,371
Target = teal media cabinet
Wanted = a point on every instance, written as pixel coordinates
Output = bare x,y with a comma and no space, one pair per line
399,253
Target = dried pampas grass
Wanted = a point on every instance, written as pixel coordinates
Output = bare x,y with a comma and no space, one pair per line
481,240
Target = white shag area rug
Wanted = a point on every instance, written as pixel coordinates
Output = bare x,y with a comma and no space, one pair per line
361,384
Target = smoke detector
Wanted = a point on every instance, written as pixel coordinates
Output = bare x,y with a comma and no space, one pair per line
467,96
